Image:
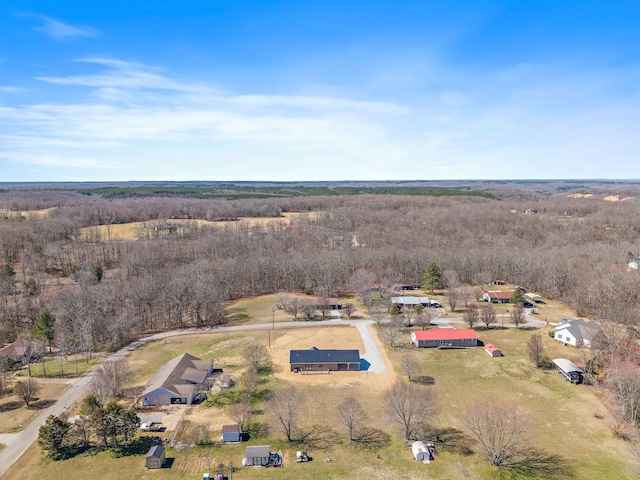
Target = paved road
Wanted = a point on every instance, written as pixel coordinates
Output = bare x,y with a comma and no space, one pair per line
17,443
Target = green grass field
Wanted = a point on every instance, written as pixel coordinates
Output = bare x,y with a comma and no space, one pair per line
569,420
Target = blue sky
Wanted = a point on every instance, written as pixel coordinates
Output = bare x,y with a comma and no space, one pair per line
307,90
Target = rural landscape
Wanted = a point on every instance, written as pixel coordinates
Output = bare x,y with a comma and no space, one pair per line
340,330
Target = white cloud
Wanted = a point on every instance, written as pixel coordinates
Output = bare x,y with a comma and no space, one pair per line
139,123
62,31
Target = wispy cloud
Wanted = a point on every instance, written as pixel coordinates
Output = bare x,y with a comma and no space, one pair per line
139,122
62,31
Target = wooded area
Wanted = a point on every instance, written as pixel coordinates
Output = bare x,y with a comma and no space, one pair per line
103,293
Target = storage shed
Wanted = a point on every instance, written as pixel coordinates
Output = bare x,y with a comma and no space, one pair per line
256,455
231,433
492,350
421,452
155,457
570,371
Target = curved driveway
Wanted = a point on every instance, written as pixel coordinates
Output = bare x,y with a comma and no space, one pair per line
17,443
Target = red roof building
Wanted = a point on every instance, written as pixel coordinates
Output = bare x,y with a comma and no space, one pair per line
492,350
498,296
445,337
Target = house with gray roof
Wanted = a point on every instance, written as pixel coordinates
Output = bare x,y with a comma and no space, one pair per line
317,360
577,332
178,381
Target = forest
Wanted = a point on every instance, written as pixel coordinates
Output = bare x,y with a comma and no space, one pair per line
104,293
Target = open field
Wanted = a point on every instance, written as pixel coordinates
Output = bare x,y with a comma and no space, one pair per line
25,213
14,414
135,230
566,419
75,366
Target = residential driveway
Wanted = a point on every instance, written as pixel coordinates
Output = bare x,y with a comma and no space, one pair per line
371,352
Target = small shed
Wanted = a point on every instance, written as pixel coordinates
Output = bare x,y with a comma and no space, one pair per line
256,455
231,433
492,350
155,457
570,371
421,452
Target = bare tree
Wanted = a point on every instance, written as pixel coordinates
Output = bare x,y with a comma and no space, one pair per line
108,379
292,306
499,430
349,309
488,315
286,404
410,405
26,390
471,315
423,317
391,331
377,312
535,349
517,315
409,365
239,412
623,381
255,355
308,308
249,382
351,415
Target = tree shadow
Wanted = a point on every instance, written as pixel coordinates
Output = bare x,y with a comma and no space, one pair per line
237,315
41,404
534,463
372,438
317,436
447,438
257,429
6,407
424,380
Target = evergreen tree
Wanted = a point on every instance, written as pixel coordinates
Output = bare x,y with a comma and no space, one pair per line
433,278
518,296
44,328
52,436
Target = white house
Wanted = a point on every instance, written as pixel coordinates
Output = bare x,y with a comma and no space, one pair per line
178,381
576,332
411,302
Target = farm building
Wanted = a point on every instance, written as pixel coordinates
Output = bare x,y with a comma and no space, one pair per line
492,350
257,455
155,457
498,296
422,452
445,337
231,433
317,360
411,302
569,370
577,332
178,381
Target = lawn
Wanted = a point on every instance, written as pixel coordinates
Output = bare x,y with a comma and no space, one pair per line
566,419
56,367
14,415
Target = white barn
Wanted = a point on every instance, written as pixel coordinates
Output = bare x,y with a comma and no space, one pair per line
178,381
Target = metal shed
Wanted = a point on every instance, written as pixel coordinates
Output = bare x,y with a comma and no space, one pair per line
155,457
257,455
570,371
421,452
492,350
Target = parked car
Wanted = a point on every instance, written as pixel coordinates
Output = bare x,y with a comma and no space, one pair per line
151,426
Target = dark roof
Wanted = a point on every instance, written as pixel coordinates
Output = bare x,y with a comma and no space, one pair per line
180,375
156,451
315,355
15,349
